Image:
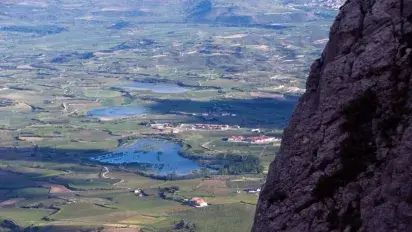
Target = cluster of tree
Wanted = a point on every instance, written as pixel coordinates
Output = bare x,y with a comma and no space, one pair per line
168,190
126,140
247,164
169,193
170,176
40,30
182,225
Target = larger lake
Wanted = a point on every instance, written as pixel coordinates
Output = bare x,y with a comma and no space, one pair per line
163,157
155,87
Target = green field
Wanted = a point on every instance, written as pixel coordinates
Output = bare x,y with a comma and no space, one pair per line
242,66
229,217
80,210
24,217
101,94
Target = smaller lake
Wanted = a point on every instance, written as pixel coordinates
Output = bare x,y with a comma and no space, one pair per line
155,87
163,156
118,112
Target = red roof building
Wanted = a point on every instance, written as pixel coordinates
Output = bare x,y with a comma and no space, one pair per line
261,139
198,202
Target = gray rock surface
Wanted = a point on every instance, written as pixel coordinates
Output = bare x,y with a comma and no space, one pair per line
346,158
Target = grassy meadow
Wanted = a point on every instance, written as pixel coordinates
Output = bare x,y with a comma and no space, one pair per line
59,60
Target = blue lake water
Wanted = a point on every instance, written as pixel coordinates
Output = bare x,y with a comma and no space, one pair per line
155,87
118,112
163,156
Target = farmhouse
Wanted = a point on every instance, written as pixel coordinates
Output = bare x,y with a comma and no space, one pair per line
198,202
140,193
137,191
253,190
161,126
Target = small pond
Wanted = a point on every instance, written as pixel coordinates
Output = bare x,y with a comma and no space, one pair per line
118,112
162,156
155,87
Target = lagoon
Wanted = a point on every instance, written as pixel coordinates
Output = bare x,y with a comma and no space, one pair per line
161,155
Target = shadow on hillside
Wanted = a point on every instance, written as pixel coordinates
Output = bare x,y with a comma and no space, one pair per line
9,225
26,173
25,167
260,112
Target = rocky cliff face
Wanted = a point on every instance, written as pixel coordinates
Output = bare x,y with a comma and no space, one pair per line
346,158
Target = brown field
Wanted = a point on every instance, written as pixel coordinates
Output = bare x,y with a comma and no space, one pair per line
267,95
30,139
21,106
11,201
6,133
214,185
55,188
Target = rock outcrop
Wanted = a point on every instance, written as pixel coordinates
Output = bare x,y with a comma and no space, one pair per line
346,158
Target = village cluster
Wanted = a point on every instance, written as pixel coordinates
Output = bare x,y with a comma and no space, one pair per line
172,128
177,128
198,126
253,140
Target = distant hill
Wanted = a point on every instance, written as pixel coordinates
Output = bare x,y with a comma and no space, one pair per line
258,12
334,4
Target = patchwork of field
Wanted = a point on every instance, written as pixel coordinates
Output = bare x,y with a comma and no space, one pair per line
101,203
82,79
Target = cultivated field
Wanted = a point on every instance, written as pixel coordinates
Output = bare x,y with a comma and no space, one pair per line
81,80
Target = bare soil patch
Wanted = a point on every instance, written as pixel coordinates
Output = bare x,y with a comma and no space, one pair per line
214,185
267,95
30,138
56,188
6,136
11,201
